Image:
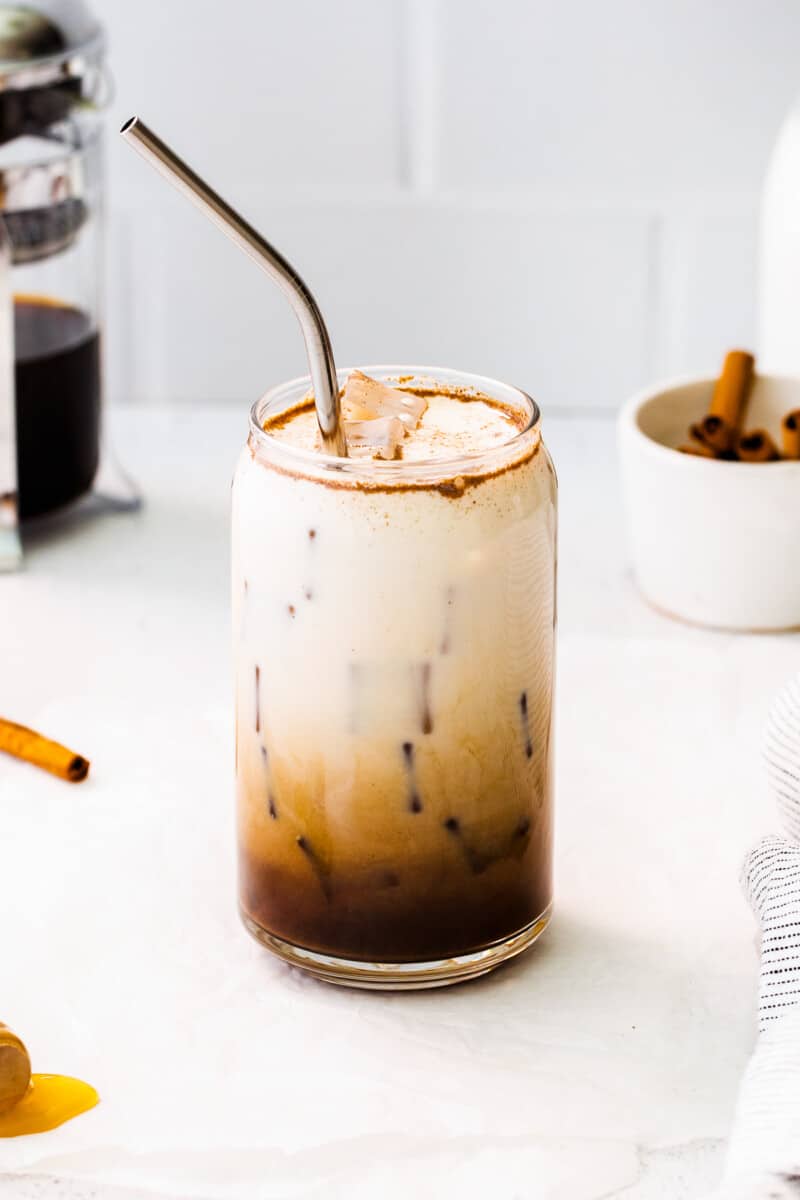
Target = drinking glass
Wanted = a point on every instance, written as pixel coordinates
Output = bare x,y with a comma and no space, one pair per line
394,642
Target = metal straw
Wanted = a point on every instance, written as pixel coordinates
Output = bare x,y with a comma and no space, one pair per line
318,347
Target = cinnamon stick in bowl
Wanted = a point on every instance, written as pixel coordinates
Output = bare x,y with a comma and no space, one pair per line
719,429
714,434
790,434
697,448
32,747
757,447
732,389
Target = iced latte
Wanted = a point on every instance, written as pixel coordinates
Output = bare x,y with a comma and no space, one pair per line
393,629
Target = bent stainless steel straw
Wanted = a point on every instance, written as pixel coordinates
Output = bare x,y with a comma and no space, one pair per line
318,346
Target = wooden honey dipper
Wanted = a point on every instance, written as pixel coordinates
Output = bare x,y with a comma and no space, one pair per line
15,1069
35,1103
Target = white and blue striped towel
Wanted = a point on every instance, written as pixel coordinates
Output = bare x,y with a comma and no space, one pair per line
764,1154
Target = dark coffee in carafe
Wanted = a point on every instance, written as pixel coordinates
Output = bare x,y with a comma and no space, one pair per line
57,374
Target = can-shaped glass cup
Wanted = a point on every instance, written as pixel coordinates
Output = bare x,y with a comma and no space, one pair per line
394,648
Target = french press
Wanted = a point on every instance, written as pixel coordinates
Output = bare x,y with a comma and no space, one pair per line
52,91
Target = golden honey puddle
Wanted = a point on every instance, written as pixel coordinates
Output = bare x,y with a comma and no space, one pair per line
49,1102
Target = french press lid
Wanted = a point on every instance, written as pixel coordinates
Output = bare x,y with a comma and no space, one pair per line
50,56
50,69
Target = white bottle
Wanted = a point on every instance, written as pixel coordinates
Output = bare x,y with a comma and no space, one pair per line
779,254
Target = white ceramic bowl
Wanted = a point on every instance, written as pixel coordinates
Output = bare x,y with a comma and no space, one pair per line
715,543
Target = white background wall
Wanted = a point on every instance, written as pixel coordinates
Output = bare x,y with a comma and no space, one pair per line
562,193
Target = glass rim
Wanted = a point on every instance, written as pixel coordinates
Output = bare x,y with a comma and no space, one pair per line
284,396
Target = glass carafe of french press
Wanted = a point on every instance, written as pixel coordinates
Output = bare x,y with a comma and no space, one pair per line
52,89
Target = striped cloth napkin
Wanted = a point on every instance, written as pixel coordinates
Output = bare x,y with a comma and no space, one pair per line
764,1153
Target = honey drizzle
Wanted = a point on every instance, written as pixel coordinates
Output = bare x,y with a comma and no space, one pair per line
49,1102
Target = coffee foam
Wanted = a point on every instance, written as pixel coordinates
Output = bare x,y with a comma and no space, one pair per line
452,425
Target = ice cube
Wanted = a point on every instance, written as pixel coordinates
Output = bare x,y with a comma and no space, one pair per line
366,398
376,438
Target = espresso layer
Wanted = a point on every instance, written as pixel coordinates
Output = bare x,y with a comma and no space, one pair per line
412,849
393,918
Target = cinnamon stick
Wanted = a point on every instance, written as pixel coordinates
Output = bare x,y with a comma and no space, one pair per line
790,434
757,447
697,449
732,389
31,747
718,432
714,433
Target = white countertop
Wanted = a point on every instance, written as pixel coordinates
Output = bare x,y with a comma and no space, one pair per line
603,1063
